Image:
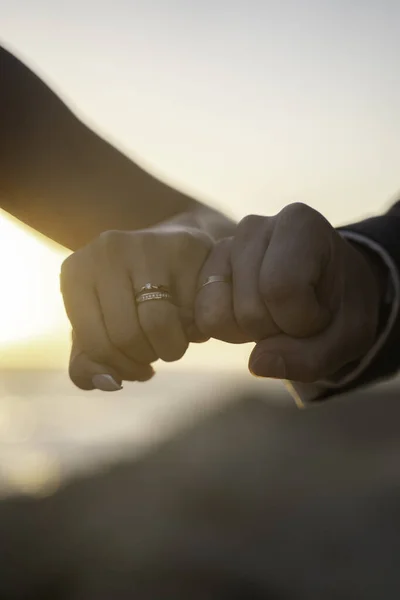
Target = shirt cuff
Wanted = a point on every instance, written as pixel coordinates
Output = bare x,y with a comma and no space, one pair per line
305,393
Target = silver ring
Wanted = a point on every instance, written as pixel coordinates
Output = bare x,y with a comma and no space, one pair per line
147,297
151,292
217,279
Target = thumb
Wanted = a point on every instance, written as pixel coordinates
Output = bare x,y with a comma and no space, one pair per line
298,359
87,374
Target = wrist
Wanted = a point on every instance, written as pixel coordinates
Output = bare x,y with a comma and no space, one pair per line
203,219
378,269
381,279
379,288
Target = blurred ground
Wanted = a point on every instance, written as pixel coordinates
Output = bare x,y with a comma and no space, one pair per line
257,500
50,430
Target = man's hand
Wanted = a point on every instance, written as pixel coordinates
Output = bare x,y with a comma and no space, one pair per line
308,297
117,337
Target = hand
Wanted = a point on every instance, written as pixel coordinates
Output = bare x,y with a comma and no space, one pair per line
308,297
116,338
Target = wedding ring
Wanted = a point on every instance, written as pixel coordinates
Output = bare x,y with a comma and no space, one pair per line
151,292
217,279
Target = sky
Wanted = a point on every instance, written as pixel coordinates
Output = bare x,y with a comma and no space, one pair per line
248,105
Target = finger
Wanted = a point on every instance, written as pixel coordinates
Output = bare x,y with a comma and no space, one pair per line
84,312
186,276
213,307
311,359
117,300
159,319
248,249
193,333
292,269
87,375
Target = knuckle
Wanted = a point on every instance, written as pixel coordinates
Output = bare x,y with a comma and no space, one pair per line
248,227
200,242
110,237
297,209
278,291
111,242
147,241
222,247
184,240
65,277
73,272
216,260
250,222
189,245
183,247
303,218
69,269
138,246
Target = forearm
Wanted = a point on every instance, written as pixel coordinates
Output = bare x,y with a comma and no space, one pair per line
62,179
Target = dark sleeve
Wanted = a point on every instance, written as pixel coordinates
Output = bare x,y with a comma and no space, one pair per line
384,231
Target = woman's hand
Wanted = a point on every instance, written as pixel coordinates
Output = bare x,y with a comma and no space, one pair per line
306,295
118,330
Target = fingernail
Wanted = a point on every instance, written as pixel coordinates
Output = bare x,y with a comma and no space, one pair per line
106,383
269,365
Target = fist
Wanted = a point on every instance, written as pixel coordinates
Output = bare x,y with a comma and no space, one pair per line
118,335
308,297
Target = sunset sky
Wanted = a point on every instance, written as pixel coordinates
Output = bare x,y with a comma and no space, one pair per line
249,105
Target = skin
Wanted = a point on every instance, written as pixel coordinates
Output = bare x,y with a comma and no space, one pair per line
59,177
307,298
99,283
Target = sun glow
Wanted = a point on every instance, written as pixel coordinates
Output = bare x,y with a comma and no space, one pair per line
34,330
30,302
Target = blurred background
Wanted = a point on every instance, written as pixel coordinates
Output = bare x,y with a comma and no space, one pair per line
247,105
